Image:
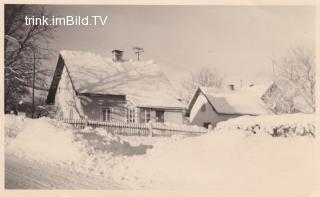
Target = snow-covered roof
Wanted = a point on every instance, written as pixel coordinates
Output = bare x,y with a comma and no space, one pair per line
241,101
141,81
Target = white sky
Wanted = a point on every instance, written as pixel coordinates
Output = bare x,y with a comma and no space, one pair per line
238,40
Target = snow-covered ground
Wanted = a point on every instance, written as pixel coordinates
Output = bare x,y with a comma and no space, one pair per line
226,159
21,173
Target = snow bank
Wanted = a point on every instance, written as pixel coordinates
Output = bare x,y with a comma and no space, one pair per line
49,141
218,160
226,161
40,140
275,125
12,127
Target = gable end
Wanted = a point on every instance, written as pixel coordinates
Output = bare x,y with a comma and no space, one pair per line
55,82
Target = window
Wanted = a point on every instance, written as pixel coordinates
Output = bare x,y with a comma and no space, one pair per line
203,108
160,116
131,116
145,115
106,114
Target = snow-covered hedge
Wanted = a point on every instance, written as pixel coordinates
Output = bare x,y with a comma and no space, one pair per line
274,125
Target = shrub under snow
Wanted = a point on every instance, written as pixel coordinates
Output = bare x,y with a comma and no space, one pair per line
288,125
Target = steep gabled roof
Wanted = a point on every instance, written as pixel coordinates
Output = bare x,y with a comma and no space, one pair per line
244,101
142,82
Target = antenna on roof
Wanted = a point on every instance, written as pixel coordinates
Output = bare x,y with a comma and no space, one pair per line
137,51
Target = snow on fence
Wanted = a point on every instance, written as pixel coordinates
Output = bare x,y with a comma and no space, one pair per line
164,128
134,129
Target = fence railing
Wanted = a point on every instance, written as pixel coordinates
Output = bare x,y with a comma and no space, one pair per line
135,129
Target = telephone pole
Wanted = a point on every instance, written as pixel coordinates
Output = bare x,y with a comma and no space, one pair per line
137,51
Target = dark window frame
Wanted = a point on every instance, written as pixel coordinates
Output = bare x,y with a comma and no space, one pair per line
203,108
107,114
146,115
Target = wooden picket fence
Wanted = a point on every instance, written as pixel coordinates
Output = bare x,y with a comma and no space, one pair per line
134,129
169,129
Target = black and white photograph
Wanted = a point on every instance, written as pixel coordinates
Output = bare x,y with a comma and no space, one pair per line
161,97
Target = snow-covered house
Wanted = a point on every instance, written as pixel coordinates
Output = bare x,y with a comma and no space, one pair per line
285,97
111,89
208,106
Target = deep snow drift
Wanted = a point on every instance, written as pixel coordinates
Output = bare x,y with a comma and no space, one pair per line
227,159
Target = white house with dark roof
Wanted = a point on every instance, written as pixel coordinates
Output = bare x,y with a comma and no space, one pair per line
112,89
208,106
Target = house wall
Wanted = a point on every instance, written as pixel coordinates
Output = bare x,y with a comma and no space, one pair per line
198,117
173,117
170,115
66,100
69,105
92,106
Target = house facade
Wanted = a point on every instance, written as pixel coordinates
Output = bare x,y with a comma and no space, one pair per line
209,106
87,85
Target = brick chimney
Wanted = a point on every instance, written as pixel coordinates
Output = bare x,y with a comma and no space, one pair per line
117,56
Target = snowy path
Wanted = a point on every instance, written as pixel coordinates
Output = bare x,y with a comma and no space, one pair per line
23,174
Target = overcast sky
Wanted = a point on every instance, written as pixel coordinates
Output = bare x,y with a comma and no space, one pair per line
239,40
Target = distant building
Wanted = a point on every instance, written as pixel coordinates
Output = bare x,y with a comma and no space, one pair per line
113,90
208,106
285,97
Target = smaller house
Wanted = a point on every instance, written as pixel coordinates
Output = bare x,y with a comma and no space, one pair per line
208,106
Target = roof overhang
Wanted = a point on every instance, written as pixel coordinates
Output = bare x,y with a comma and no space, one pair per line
98,94
163,107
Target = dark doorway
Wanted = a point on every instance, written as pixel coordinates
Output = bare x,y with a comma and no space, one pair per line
206,124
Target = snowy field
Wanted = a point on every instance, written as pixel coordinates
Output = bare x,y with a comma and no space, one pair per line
238,155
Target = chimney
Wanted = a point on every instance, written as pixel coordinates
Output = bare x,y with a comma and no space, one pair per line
231,87
117,55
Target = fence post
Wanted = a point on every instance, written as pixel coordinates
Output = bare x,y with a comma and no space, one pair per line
150,129
85,121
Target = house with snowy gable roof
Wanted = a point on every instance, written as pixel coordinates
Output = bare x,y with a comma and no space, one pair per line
208,106
112,89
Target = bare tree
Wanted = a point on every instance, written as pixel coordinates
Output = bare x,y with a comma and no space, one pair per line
204,77
33,41
295,81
